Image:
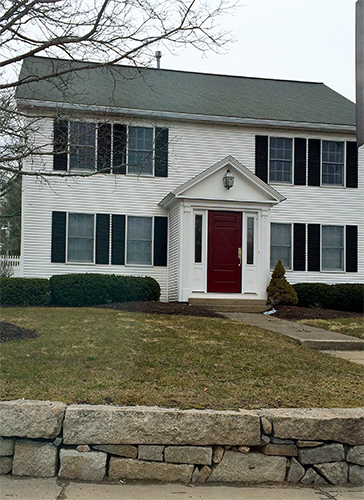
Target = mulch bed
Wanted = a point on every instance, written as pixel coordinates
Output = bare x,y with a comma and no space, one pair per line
13,332
296,313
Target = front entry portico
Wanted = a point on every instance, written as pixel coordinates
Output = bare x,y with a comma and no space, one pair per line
219,239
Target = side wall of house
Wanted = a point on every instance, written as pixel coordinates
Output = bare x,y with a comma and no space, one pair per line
193,147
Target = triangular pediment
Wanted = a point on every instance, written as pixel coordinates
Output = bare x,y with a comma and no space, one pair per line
208,185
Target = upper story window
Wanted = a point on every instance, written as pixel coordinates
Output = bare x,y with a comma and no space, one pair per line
140,150
332,166
110,148
280,160
82,137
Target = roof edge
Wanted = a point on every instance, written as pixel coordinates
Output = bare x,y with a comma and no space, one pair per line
171,115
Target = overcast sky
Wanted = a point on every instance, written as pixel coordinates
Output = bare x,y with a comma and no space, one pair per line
308,40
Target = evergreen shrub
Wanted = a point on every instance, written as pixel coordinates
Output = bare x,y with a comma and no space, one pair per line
75,290
339,296
24,292
279,290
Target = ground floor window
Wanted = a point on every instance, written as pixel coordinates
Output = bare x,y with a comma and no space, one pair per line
281,245
139,240
80,238
116,239
332,248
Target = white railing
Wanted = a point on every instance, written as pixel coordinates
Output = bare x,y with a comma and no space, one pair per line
11,263
11,260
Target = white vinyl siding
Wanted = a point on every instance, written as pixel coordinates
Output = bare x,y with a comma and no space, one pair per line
193,147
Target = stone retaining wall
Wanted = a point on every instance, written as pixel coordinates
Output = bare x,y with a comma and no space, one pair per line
94,443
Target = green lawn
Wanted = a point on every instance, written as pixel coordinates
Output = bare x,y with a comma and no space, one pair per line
347,326
100,355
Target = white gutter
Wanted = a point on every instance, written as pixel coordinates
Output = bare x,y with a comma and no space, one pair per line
169,115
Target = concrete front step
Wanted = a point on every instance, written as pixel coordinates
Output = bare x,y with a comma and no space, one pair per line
230,305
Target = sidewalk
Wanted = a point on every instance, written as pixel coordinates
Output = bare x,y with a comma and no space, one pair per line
336,344
52,489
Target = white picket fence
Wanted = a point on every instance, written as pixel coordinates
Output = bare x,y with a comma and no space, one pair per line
12,261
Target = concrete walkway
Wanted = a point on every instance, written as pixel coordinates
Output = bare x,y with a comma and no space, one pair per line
336,344
54,489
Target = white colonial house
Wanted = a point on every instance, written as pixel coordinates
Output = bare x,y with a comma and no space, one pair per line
201,181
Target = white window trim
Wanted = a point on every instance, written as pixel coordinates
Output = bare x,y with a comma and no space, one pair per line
335,186
291,183
127,264
333,271
81,262
270,244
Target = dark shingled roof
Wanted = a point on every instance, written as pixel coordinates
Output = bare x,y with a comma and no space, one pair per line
160,90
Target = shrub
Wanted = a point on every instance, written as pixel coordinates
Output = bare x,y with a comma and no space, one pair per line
91,289
279,290
25,291
340,296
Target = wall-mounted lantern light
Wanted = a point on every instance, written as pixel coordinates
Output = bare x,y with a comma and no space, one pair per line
228,179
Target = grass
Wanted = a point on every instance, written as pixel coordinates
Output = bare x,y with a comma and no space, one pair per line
102,356
347,326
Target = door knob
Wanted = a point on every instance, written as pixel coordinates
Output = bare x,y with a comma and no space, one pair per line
239,256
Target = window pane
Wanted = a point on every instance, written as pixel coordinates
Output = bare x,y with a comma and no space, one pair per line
80,238
333,163
280,245
82,146
140,150
198,238
250,240
333,248
280,164
139,244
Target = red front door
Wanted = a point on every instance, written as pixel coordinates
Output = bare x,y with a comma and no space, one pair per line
224,241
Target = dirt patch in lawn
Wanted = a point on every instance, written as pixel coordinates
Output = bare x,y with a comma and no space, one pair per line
153,307
9,331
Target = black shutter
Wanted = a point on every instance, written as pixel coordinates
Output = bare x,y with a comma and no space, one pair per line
119,152
314,161
104,148
58,251
299,247
161,152
351,165
299,161
102,238
160,241
60,143
118,240
351,249
314,247
261,157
